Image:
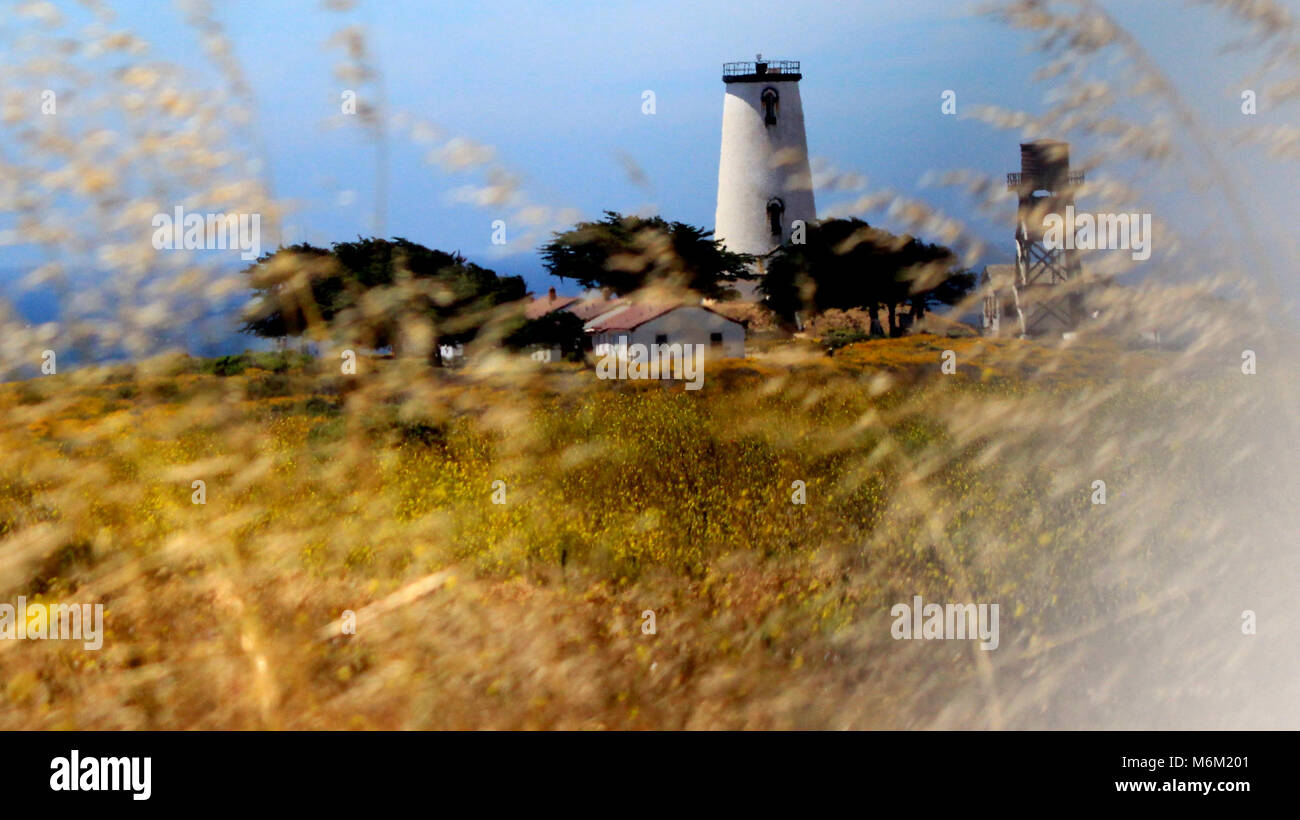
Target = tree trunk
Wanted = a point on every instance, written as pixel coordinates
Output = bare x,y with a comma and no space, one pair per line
893,320
876,329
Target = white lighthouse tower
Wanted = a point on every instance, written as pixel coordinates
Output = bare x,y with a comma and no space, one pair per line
764,180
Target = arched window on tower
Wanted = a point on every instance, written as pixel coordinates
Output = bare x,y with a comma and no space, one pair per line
770,99
775,214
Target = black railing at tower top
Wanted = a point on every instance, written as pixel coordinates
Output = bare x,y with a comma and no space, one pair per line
1016,179
759,68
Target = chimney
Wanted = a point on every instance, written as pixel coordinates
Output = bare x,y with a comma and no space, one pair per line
550,296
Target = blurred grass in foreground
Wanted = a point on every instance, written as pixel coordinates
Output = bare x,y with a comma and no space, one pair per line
327,493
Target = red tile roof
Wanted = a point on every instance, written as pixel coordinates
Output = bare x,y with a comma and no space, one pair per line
639,314
589,309
634,316
543,305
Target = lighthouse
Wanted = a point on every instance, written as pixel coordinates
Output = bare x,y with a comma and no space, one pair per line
764,180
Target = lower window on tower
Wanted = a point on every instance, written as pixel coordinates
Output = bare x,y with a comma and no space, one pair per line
775,210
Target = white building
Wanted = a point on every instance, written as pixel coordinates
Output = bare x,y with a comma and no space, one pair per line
764,178
649,324
452,355
999,309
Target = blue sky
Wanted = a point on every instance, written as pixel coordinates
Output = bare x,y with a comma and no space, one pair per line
556,89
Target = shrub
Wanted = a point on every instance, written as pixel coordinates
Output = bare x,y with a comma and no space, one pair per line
836,338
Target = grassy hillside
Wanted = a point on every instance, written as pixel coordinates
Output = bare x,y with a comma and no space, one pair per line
374,493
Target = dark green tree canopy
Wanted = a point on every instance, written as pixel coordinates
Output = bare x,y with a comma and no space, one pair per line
847,264
293,287
557,329
626,253
372,285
